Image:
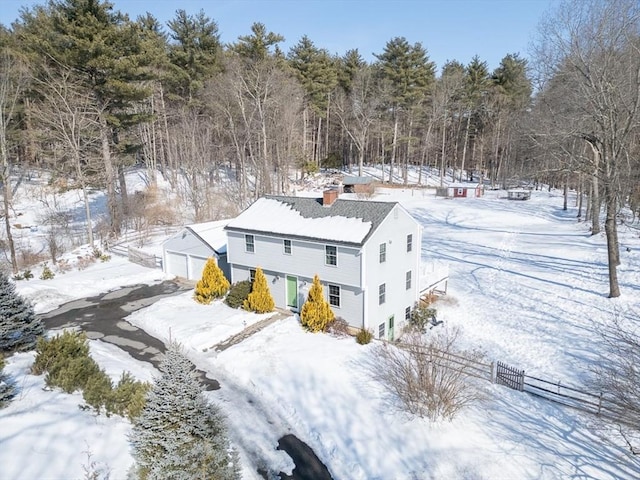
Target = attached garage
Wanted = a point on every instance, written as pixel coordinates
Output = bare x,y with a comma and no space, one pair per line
186,253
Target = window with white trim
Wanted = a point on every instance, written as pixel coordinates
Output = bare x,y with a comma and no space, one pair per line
334,295
381,329
249,244
252,275
382,293
408,280
383,252
409,242
287,246
331,255
407,314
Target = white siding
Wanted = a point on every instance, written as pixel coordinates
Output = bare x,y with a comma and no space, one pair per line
393,231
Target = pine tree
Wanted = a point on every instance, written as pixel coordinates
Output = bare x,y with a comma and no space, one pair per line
19,326
212,285
179,435
260,299
7,390
316,314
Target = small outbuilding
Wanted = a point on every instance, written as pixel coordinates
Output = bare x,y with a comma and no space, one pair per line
464,190
185,254
355,184
518,194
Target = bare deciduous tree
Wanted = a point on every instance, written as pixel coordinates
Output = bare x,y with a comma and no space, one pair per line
13,79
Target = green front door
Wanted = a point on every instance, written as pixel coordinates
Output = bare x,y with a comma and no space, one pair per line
292,292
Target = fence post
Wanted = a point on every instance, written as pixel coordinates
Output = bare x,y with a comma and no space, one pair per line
493,372
521,381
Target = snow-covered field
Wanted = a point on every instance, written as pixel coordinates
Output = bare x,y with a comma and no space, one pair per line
528,285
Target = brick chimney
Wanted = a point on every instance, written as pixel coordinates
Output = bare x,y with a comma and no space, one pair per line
329,196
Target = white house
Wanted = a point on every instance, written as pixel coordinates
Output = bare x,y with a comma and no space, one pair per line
366,253
186,253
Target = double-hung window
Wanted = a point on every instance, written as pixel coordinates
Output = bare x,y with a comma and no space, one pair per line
383,252
408,280
331,255
249,244
382,293
334,295
407,314
287,246
409,242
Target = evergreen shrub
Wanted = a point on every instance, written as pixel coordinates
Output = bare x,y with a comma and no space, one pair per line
316,313
422,316
19,326
47,273
7,390
238,293
260,299
212,285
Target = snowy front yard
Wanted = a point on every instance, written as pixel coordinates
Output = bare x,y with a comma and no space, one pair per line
527,285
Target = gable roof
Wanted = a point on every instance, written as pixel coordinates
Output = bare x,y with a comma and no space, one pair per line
344,221
211,233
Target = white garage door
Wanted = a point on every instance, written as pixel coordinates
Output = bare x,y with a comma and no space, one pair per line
176,264
197,265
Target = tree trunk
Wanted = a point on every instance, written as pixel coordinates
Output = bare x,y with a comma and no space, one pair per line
393,147
613,249
464,147
110,180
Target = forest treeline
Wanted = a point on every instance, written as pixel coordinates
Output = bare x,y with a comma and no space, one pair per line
85,92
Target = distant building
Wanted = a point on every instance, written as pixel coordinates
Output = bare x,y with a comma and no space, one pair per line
354,184
518,194
464,190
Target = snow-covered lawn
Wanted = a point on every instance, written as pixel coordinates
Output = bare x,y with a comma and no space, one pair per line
528,285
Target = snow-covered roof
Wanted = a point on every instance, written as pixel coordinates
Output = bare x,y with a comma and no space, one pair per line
355,180
347,221
464,185
212,233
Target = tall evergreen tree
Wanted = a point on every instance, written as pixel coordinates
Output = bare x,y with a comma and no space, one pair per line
179,434
19,326
194,52
106,49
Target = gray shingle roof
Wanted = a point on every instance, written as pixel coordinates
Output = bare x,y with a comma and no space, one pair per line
366,210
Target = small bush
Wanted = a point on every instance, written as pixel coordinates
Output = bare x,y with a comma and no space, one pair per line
105,258
427,373
339,327
85,261
7,390
97,390
18,276
128,397
47,273
421,317
63,265
66,361
364,336
238,293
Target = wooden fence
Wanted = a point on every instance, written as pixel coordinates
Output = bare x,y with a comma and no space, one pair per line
600,403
